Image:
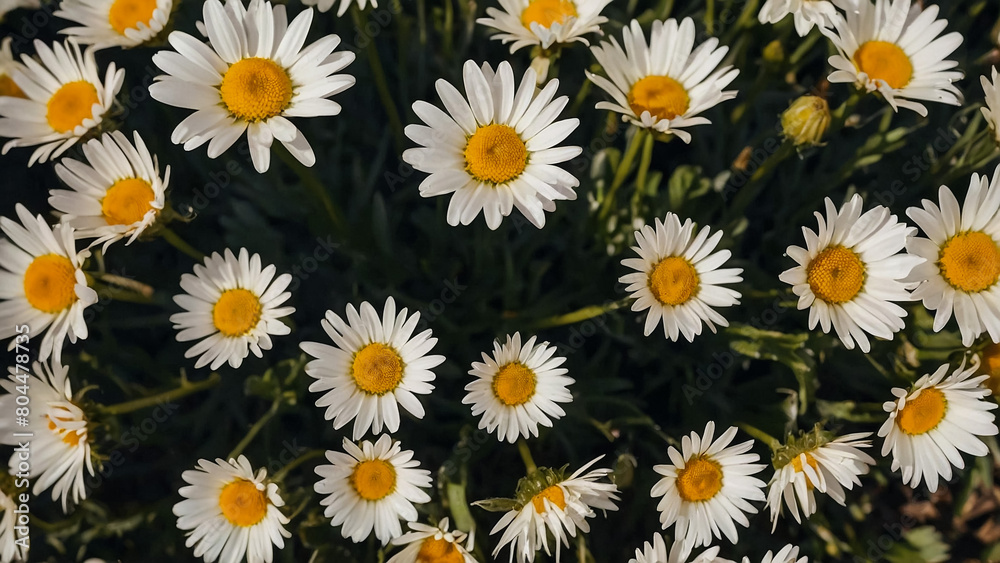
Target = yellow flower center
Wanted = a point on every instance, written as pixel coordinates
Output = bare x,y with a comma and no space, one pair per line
970,261
991,367
236,312
882,60
439,551
554,494
836,275
50,283
242,503
674,281
662,96
514,384
377,369
811,462
70,105
374,479
495,154
70,437
256,89
10,88
547,12
700,480
128,14
127,201
923,414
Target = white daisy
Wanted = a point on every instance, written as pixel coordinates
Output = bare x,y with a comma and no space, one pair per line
707,486
888,48
665,84
376,366
962,255
679,552
117,193
60,442
230,513
992,108
115,23
518,388
11,549
807,13
849,274
65,99
232,307
497,150
547,503
787,554
251,76
10,5
939,417
372,487
8,64
325,5
433,544
545,22
811,462
42,284
678,278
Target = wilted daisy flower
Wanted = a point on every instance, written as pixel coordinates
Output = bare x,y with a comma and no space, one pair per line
787,554
115,23
60,442
433,544
547,503
10,5
679,279
807,13
707,486
7,67
679,552
545,22
886,47
117,193
10,549
962,255
65,99
518,388
376,366
41,283
497,150
232,306
665,84
230,513
936,419
251,76
992,109
372,487
325,5
849,274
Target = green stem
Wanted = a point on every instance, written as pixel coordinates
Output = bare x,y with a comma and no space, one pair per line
529,463
382,85
622,172
177,242
644,162
759,434
313,184
279,476
710,16
185,389
579,315
804,47
256,428
581,97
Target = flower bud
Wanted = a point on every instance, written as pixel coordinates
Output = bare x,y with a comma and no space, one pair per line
806,121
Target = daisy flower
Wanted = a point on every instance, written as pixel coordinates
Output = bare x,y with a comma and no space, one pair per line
962,258
228,512
992,108
372,487
11,5
807,13
10,550
886,47
547,503
117,193
849,274
707,486
232,307
375,366
251,76
939,417
816,462
679,552
115,23
8,65
497,149
665,84
42,284
678,278
60,442
325,5
433,544
518,388
65,99
787,554
545,22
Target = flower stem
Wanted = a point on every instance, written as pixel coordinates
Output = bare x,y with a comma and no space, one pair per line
279,476
759,434
622,171
644,162
313,184
185,389
256,428
579,315
382,85
177,242
529,462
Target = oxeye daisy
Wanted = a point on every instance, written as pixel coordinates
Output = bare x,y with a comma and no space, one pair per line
42,284
371,487
664,84
678,278
992,109
807,13
232,306
962,258
325,5
518,388
65,99
8,64
495,150
115,23
544,23
549,503
433,544
787,554
849,274
886,47
10,548
251,76
679,553
375,366
117,193
937,419
707,486
229,512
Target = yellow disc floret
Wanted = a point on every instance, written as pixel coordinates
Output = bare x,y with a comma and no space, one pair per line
662,96
434,550
242,503
970,261
882,60
374,479
673,281
514,384
377,369
700,480
237,312
255,89
553,494
836,275
495,154
50,283
128,14
924,413
548,12
127,201
72,103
